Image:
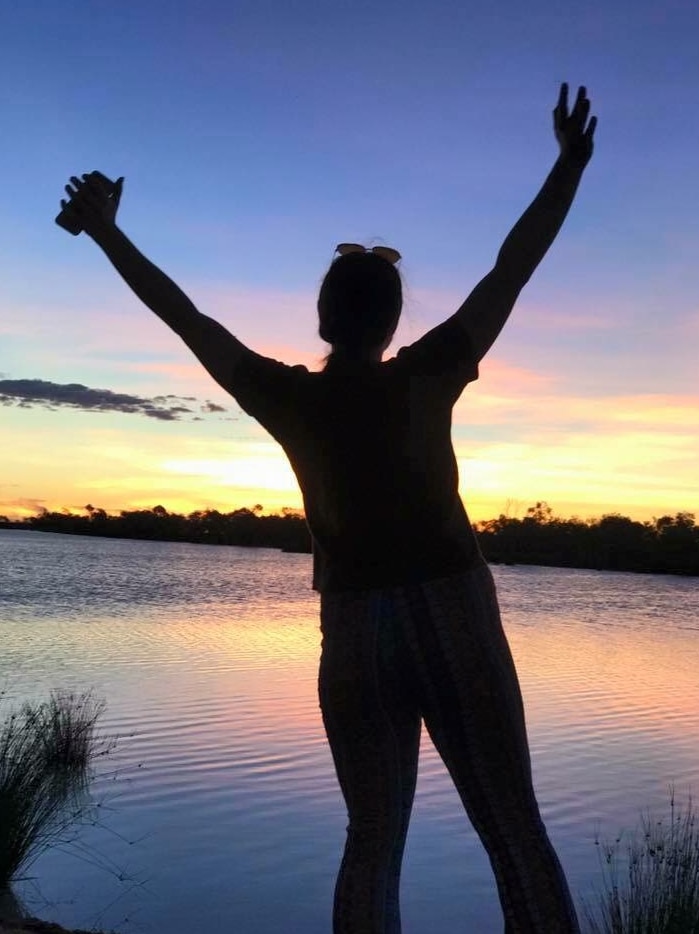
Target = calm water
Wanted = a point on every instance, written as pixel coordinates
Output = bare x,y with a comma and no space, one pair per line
224,815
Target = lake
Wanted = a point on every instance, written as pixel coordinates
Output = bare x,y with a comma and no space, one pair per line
220,810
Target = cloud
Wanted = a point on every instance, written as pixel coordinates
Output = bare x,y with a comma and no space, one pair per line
23,505
30,393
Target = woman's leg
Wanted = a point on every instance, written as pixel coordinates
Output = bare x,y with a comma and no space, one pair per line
473,710
373,725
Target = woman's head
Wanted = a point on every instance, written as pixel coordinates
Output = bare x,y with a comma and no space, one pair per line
359,303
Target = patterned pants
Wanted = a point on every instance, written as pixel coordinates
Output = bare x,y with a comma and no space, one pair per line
434,651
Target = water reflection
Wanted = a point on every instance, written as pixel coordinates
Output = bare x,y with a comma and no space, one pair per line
208,658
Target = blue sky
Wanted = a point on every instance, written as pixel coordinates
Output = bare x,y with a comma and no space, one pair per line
255,136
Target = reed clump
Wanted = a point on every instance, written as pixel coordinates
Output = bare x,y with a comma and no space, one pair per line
47,753
651,879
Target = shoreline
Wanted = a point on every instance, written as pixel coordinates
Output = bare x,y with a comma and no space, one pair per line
37,926
609,560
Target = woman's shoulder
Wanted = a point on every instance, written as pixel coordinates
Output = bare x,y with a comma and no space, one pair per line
444,354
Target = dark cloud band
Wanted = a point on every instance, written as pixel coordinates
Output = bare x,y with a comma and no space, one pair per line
30,393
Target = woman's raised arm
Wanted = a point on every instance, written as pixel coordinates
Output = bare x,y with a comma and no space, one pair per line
94,207
488,307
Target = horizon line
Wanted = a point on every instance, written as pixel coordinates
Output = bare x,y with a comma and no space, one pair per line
258,509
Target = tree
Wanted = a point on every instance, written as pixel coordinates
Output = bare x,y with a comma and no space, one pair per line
541,513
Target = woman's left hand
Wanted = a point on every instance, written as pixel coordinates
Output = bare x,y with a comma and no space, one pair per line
573,131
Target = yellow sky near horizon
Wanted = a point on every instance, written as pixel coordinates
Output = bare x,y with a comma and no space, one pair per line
546,430
642,471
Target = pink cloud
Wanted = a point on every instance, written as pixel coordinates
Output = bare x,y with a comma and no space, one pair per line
111,326
502,377
432,305
536,401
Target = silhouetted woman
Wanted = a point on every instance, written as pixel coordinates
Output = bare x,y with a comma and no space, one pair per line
409,615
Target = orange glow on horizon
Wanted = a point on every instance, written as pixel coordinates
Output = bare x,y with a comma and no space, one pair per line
509,460
480,507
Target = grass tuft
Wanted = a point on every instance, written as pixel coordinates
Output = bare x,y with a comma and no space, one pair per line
47,751
651,880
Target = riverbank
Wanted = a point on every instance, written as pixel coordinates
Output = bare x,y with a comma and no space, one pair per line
35,926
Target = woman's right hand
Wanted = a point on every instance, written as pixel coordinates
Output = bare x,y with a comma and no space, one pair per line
93,201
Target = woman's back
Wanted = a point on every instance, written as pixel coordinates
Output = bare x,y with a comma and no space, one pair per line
370,445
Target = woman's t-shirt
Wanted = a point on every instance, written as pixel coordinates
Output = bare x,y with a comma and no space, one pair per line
370,444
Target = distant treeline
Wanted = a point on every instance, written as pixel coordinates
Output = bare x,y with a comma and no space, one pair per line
286,530
666,545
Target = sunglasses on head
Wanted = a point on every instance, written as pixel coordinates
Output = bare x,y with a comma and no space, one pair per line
385,252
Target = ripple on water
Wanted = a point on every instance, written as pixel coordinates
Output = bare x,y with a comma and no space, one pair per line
208,660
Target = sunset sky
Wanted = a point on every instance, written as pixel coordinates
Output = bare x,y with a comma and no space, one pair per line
253,137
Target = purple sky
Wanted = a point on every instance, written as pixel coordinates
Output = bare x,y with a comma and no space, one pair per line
254,137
